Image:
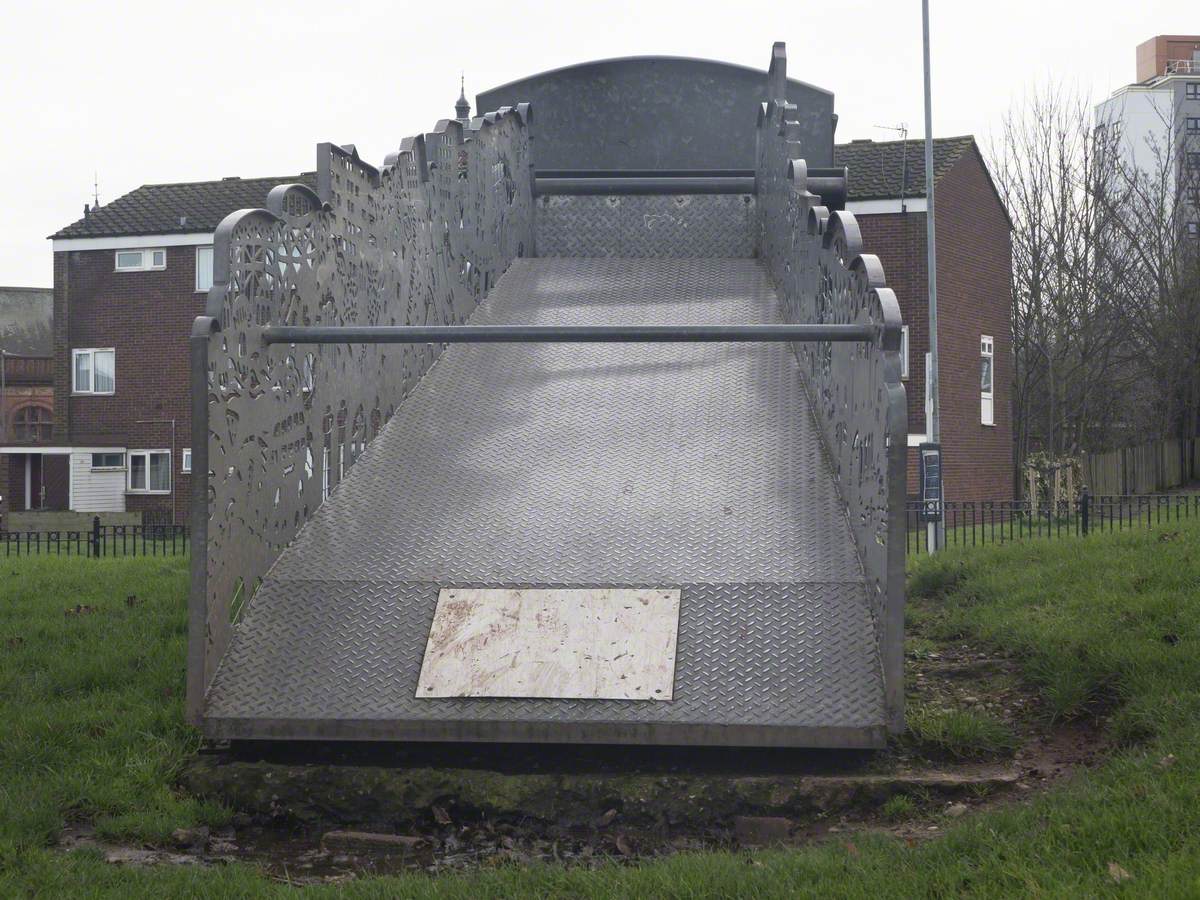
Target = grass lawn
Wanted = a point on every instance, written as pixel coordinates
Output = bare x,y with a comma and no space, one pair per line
91,729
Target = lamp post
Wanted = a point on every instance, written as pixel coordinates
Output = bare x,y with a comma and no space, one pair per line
3,399
936,527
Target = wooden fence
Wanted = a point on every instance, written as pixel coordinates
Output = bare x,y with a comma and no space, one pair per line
1145,469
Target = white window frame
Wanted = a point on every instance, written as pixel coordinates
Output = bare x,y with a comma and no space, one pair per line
130,489
116,468
904,352
987,399
206,268
146,259
185,461
90,389
1191,90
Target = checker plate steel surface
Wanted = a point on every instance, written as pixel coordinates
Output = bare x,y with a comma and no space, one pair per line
688,466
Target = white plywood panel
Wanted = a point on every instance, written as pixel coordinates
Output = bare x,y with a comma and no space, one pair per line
562,643
95,490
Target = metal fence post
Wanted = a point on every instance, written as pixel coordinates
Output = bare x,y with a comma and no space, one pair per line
1085,503
96,537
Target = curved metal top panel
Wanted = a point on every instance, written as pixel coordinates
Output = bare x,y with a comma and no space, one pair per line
659,112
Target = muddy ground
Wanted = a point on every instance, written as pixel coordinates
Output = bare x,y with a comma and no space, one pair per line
332,812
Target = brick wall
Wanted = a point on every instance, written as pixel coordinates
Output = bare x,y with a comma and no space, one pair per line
974,291
974,259
146,317
6,498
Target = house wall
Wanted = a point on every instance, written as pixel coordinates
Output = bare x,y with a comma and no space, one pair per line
146,317
974,263
974,289
10,464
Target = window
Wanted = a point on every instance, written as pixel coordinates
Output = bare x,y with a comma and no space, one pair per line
903,351
1192,90
1193,160
141,260
1193,229
204,268
32,423
986,396
185,462
150,471
108,460
1193,124
95,371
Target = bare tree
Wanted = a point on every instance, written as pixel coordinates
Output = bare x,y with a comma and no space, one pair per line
1055,173
1152,211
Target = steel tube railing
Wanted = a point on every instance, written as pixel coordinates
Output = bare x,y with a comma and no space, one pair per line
563,334
608,186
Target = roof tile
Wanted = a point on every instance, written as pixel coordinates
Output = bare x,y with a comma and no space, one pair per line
180,208
878,167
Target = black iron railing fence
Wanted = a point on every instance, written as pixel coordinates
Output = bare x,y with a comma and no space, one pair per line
971,523
99,541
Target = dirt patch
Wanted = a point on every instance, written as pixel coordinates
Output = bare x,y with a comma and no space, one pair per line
314,813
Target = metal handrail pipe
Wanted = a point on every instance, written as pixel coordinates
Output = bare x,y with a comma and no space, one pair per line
699,184
564,334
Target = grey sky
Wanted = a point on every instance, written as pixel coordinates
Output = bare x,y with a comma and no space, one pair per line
158,92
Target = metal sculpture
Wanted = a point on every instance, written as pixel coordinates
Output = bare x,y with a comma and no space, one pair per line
419,241
816,259
317,329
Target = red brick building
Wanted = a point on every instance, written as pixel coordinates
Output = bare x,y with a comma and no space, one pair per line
887,196
129,279
27,401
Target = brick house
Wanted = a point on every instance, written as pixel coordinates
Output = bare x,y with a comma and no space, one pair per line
27,401
129,279
887,196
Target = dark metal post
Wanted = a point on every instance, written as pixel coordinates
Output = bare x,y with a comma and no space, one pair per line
933,426
1085,503
96,537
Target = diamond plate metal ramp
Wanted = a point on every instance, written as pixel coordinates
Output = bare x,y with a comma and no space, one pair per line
695,467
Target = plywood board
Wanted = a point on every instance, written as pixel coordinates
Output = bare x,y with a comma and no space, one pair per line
562,643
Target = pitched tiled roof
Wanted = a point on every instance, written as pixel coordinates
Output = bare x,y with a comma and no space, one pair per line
876,167
178,208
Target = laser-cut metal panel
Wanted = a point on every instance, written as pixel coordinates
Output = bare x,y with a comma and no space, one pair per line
822,275
419,241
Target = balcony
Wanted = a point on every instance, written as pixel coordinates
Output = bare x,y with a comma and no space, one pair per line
1182,67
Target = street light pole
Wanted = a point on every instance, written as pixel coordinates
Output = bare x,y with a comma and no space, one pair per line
936,528
3,400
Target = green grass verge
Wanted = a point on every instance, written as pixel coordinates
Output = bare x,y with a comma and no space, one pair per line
959,733
91,713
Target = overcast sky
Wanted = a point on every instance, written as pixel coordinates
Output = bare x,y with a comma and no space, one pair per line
156,92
